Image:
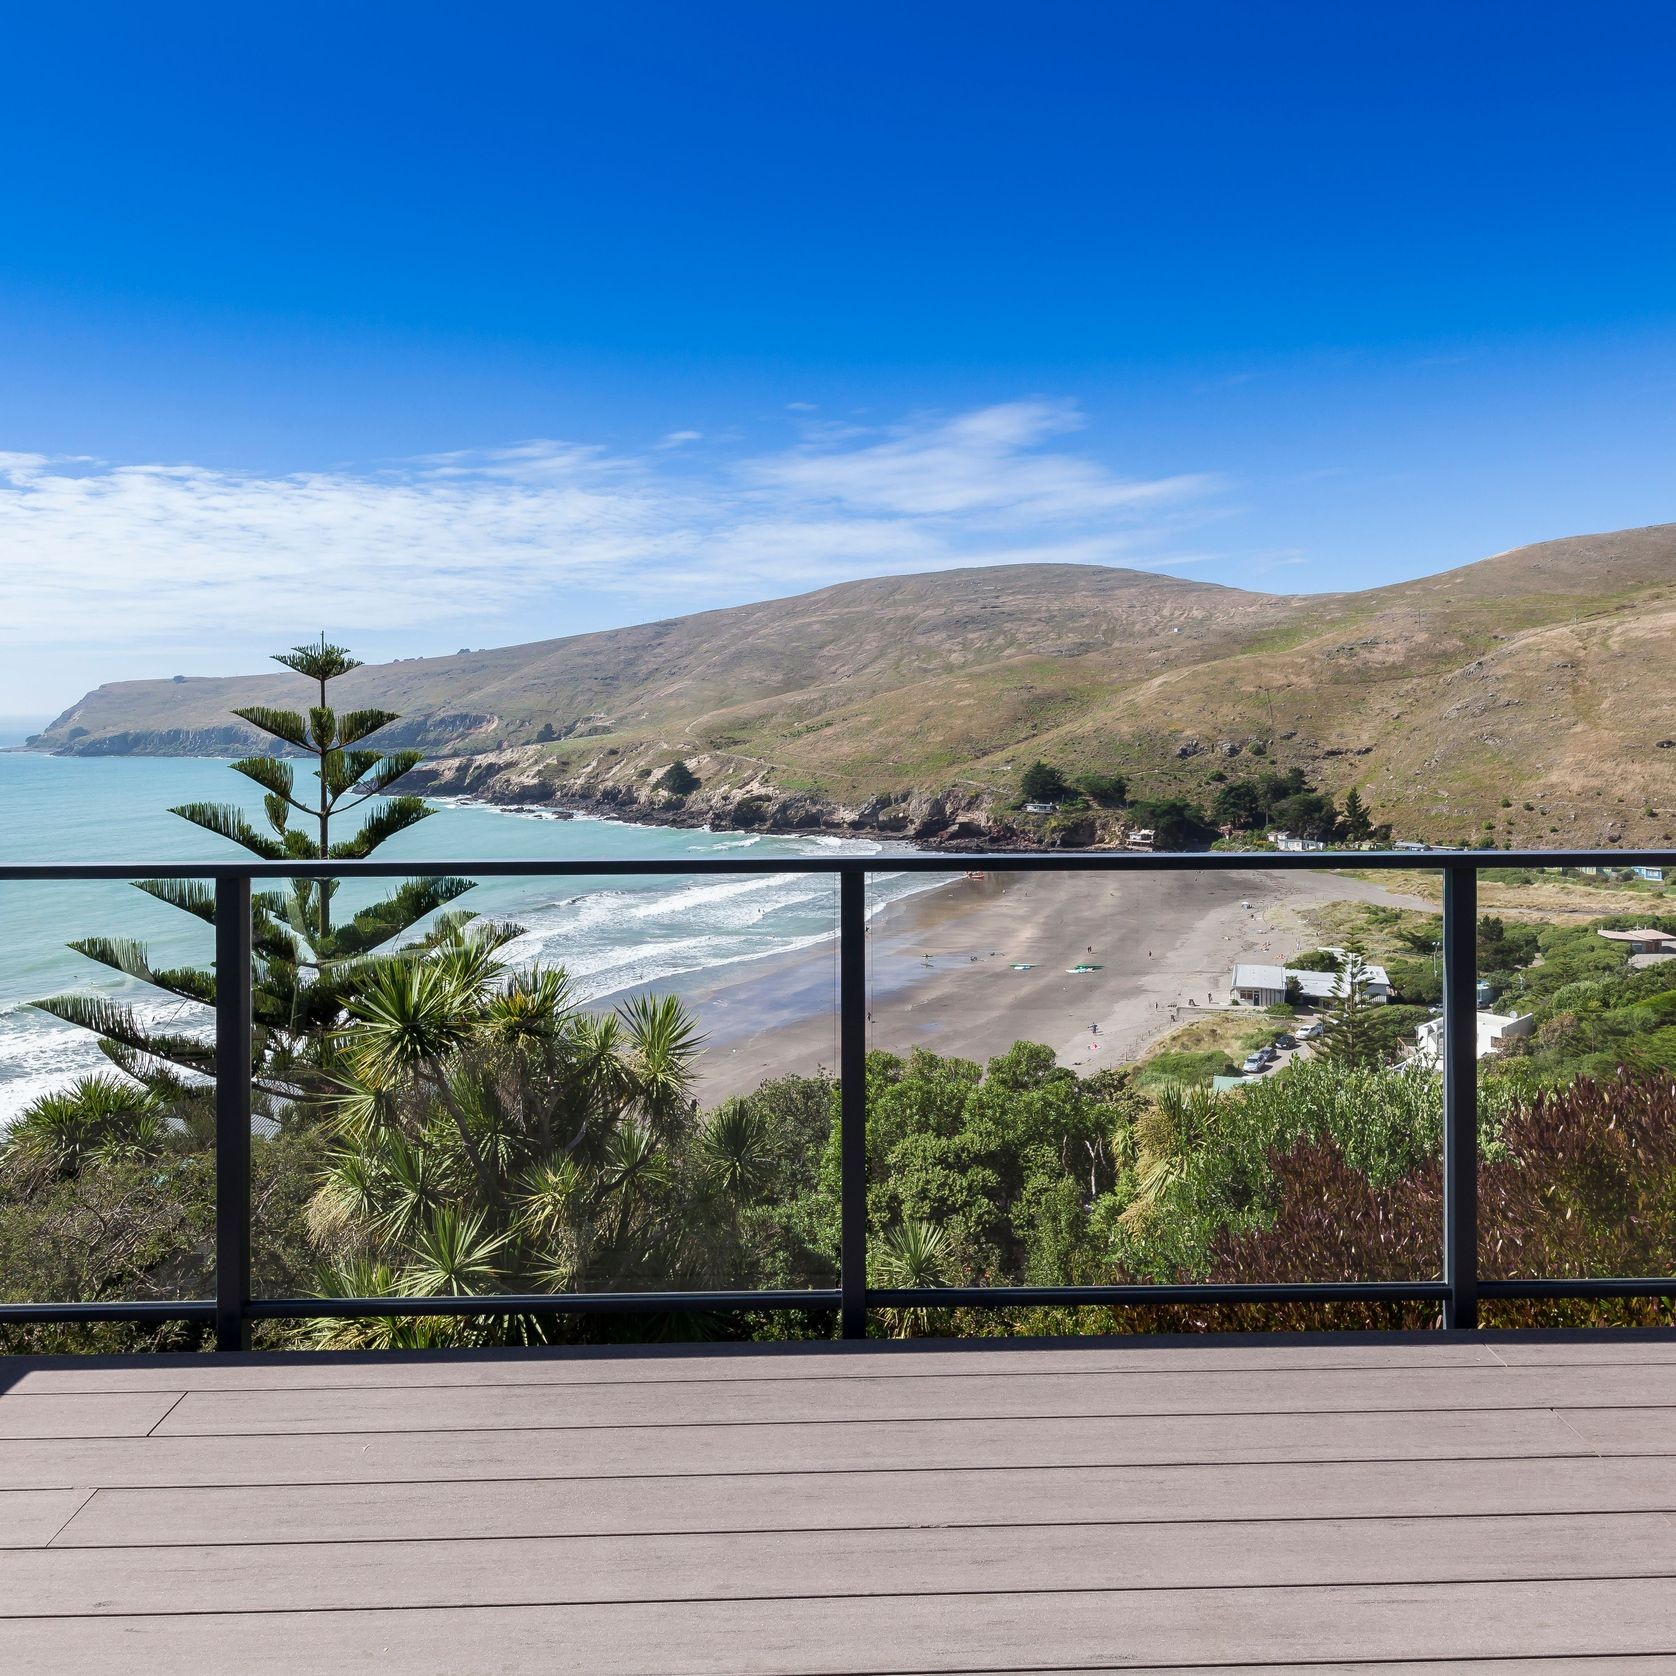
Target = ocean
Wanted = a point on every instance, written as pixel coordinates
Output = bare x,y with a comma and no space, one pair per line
610,933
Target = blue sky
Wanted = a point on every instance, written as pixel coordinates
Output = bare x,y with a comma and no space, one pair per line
439,325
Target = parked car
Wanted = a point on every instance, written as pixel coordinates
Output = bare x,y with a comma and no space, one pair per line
1313,1031
1283,1040
1255,1062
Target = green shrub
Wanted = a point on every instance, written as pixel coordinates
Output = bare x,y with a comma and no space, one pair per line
1108,791
678,780
1189,1069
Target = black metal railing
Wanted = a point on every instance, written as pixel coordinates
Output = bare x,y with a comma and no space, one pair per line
1458,1292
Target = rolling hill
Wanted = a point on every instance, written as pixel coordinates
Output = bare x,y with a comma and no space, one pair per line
1533,693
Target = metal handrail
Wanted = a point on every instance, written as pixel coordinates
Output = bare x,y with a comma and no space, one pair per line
1459,1291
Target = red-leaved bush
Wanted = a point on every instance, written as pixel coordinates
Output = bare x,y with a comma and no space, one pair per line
1581,1183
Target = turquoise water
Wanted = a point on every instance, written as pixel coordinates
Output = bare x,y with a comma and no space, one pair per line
610,933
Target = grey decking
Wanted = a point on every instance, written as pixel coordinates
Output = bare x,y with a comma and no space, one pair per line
1366,1505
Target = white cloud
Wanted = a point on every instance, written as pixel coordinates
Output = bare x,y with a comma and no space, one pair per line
985,464
95,553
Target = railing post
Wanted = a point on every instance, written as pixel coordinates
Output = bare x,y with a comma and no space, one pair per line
1460,1094
232,1112
852,1115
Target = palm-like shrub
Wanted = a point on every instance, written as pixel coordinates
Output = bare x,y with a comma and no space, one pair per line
489,1135
97,1120
911,1256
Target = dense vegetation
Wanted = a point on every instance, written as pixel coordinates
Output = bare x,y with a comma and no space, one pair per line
1272,801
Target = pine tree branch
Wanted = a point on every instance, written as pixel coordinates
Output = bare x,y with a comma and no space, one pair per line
395,816
191,896
342,770
116,1023
226,821
123,954
282,724
319,662
392,769
272,774
382,921
357,724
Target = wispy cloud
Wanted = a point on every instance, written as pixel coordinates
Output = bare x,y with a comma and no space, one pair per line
98,552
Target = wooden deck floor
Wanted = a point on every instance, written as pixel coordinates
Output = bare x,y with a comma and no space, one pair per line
1508,1503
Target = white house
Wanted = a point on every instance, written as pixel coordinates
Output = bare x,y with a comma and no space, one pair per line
1289,841
1495,1031
1262,985
1645,939
1653,875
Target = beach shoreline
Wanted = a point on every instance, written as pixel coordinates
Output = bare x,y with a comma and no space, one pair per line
1097,967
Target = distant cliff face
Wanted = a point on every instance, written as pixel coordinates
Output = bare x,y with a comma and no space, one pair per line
1539,677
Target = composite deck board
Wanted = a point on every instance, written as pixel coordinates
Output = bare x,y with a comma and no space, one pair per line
1629,1350
996,1496
86,1414
1623,1431
484,1408
1390,1507
744,1363
903,1633
31,1518
708,1566
902,1445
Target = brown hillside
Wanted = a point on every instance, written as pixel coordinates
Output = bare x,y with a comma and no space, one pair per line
1540,675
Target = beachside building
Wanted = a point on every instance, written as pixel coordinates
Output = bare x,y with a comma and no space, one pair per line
1411,845
1259,984
1643,940
1142,838
1495,1031
1290,841
1653,875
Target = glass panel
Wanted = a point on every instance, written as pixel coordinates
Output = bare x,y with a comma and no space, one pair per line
601,1084
1577,1085
1162,1077
107,1162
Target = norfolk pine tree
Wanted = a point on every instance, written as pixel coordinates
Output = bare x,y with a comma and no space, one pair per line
306,967
1351,1037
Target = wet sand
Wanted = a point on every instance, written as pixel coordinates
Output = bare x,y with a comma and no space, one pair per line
972,967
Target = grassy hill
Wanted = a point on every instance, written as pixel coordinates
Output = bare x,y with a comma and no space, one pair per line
1540,677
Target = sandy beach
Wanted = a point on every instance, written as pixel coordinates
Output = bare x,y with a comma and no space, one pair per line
977,964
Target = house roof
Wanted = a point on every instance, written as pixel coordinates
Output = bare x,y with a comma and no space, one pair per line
1318,986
